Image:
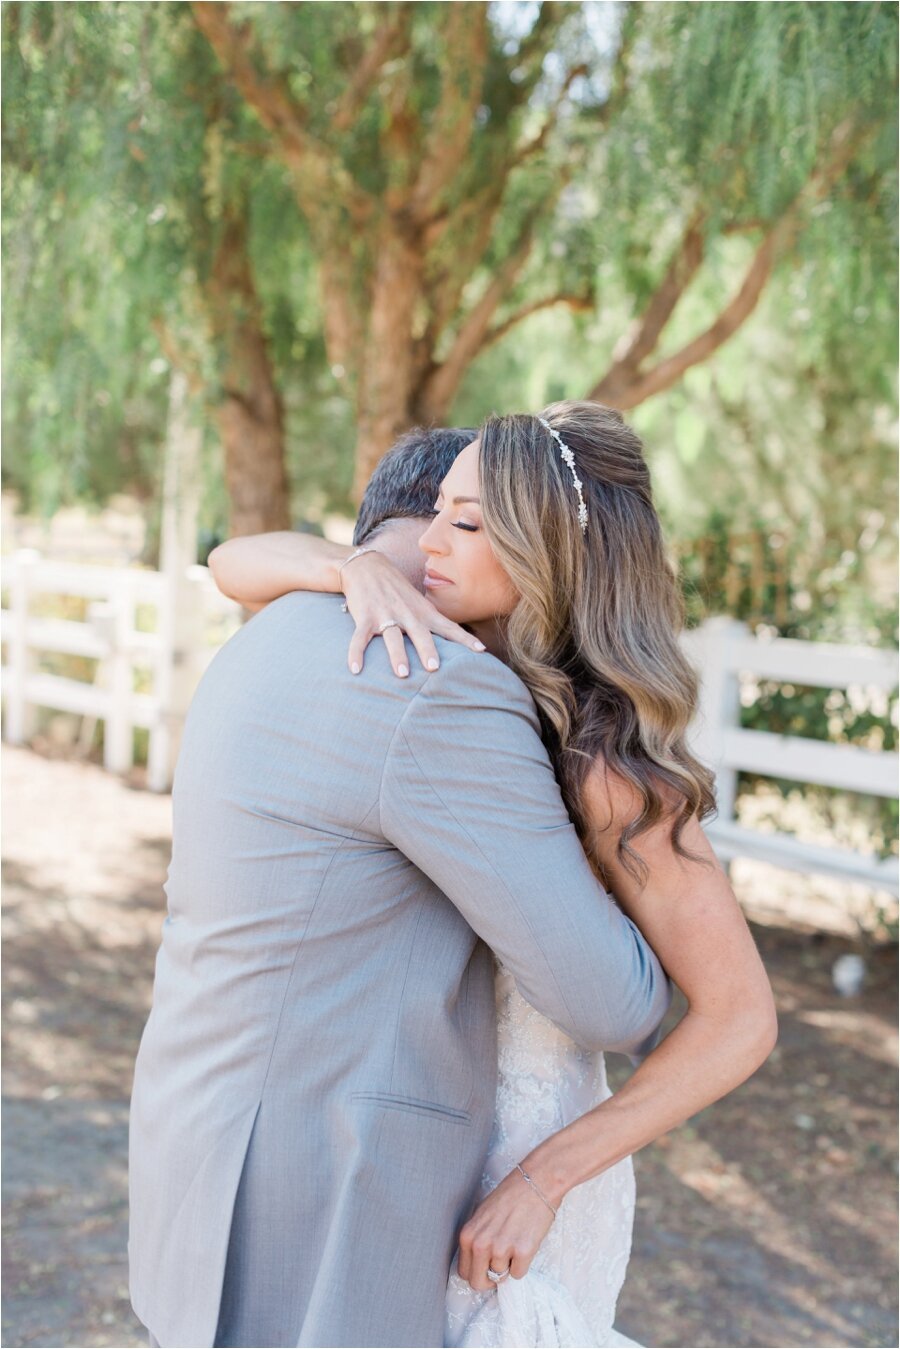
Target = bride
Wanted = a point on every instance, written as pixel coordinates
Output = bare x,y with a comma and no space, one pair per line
544,542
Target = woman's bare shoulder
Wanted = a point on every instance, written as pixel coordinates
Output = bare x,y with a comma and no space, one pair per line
613,801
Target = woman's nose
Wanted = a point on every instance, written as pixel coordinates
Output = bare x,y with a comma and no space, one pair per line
429,541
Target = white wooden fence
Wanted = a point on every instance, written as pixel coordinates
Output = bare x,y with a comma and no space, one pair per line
722,649
193,619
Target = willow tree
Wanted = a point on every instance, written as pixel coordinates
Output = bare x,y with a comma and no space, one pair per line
402,128
430,151
278,197
125,251
768,135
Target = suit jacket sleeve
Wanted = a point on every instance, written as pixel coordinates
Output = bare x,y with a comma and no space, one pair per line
468,795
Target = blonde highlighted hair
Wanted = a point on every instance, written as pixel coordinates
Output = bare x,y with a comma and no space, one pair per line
594,634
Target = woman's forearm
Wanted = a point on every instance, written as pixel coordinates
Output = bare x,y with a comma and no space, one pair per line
699,1062
688,912
260,567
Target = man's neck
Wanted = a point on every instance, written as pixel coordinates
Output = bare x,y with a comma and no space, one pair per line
399,541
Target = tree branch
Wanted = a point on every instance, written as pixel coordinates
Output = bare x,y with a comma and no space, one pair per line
668,371
645,334
625,385
529,59
472,225
315,165
467,230
580,303
273,103
453,120
537,143
342,314
390,41
442,381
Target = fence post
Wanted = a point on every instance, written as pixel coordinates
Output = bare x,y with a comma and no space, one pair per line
180,621
181,628
21,716
118,731
711,647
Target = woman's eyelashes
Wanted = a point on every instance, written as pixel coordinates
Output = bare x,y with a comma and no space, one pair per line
457,524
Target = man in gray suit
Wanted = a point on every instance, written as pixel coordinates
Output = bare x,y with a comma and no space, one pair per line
314,1090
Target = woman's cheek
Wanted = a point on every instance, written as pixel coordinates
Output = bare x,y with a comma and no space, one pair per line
503,595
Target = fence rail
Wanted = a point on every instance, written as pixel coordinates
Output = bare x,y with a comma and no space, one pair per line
722,649
189,608
193,619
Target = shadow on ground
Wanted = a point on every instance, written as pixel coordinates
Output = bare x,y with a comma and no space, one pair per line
768,1220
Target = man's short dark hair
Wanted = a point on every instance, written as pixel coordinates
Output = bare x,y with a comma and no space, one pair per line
406,481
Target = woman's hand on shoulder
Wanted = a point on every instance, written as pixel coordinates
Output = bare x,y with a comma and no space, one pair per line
385,603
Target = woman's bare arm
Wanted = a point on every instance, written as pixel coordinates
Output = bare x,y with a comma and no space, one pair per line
691,918
259,568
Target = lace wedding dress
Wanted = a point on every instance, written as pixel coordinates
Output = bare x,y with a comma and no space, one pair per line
568,1297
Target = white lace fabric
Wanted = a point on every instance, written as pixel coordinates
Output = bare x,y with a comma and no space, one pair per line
568,1297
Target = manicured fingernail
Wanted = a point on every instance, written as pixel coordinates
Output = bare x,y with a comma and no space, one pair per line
403,671
354,668
479,646
433,663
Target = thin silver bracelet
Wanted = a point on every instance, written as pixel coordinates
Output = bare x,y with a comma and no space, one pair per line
536,1190
359,552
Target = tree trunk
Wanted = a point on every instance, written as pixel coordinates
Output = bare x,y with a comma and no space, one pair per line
249,413
386,374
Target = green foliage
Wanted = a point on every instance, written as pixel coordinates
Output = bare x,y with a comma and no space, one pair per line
123,143
735,102
85,398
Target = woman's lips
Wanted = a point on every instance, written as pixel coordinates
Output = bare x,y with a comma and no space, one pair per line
434,579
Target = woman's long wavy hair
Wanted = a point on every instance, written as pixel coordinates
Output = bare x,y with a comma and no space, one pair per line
594,635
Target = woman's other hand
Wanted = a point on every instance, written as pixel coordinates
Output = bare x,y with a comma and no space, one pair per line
506,1229
377,592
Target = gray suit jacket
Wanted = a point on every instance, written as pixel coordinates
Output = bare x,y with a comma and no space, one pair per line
314,1089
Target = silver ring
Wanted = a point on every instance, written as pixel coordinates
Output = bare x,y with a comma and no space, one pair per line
391,623
492,1274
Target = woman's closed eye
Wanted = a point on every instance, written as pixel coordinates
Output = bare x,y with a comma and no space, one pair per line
457,524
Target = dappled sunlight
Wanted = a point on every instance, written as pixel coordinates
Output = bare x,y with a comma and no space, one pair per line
722,1185
750,1194
815,902
856,1028
780,1193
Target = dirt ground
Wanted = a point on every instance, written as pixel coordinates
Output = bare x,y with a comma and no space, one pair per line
769,1220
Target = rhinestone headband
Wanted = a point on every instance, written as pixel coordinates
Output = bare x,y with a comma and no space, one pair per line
569,459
